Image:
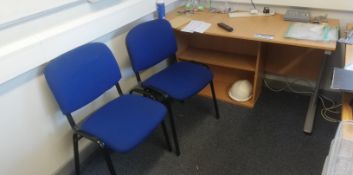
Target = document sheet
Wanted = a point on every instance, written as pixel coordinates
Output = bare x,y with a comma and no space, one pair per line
196,26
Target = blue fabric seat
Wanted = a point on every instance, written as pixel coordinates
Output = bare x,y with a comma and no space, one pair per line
121,127
152,42
78,77
181,80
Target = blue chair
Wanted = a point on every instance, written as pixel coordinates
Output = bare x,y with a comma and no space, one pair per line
78,77
150,43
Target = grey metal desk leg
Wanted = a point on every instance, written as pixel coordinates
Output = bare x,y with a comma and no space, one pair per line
310,114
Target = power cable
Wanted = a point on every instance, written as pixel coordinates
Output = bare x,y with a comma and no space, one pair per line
326,109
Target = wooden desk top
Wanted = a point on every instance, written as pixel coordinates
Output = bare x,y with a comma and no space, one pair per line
247,27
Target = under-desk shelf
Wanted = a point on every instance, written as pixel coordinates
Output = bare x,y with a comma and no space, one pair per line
222,89
217,58
223,80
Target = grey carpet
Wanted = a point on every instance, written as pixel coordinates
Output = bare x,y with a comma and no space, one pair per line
267,140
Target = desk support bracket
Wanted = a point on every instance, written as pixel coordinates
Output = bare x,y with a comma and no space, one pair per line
310,115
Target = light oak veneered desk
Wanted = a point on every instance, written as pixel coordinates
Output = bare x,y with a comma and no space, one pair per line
240,55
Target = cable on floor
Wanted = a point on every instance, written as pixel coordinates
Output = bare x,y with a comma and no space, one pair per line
329,106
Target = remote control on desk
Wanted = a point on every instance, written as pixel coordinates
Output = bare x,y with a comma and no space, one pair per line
225,27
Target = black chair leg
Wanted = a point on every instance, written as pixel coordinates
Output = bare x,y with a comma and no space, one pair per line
166,136
108,160
76,153
214,99
172,123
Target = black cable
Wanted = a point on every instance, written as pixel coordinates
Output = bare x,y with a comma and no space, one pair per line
253,4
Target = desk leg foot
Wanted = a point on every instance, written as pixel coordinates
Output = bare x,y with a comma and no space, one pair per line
310,114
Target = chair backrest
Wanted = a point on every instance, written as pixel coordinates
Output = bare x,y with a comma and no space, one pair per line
149,43
81,75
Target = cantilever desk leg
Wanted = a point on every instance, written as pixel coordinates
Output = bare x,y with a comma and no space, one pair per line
310,114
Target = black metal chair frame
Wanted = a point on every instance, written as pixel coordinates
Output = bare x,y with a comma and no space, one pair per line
78,134
166,100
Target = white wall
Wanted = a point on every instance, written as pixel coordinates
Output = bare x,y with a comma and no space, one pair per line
344,16
17,9
36,137
345,5
45,37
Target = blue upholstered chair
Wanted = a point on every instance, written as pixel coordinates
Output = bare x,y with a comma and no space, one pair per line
78,77
150,43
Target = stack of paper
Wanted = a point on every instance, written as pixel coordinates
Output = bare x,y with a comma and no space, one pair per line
196,26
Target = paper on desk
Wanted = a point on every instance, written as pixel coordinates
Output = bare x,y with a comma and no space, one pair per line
196,26
202,28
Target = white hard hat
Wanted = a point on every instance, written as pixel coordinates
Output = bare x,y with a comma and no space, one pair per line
241,90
